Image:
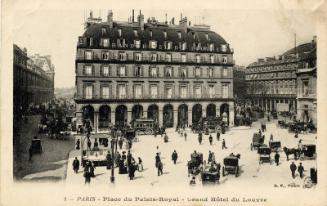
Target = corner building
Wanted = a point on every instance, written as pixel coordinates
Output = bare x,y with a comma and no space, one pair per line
174,74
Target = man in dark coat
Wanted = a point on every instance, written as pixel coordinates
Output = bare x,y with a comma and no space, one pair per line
129,159
157,160
185,136
89,143
78,143
209,157
120,143
218,136
210,139
200,138
277,158
160,167
87,173
76,165
30,152
293,169
131,171
109,160
174,156
300,169
117,158
124,157
223,145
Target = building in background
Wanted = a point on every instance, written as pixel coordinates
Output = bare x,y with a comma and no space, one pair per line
32,85
282,83
173,73
239,84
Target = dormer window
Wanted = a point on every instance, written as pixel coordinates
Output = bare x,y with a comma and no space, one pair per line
179,34
135,33
198,58
224,59
169,45
207,37
138,56
153,44
184,46
211,47
193,35
105,55
105,42
119,32
223,47
81,40
151,34
137,44
103,31
165,34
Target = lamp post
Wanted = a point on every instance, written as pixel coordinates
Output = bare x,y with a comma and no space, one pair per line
113,154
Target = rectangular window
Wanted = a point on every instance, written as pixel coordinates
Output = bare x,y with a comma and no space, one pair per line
88,70
183,73
211,47
135,33
184,46
105,92
212,59
183,91
179,34
138,71
197,91
207,37
198,58
137,91
169,45
211,91
165,34
122,56
153,91
89,92
225,90
210,72
305,86
138,56
169,72
169,92
225,59
105,55
119,33
153,72
122,91
223,47
122,71
197,72
153,44
168,57
184,58
225,72
137,44
154,57
88,55
105,71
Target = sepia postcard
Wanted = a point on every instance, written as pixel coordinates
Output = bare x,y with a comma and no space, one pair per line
163,102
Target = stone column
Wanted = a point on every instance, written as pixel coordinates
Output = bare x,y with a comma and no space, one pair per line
231,114
175,115
189,114
96,122
129,114
160,115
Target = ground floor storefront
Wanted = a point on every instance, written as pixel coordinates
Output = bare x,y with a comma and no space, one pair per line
168,114
275,103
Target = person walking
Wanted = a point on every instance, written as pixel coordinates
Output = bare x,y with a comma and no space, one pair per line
92,167
109,160
131,171
120,143
160,168
30,153
129,159
76,165
277,158
218,136
140,165
200,138
117,159
87,173
157,160
96,145
185,136
89,143
293,169
78,144
271,138
210,139
213,158
174,156
209,157
300,169
223,145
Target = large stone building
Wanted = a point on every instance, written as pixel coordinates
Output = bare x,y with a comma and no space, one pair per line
32,85
174,74
275,83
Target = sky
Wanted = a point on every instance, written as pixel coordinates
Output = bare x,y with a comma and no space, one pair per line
255,33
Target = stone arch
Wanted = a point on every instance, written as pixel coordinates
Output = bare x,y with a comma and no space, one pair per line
121,115
196,113
211,110
88,115
168,115
153,112
224,112
104,116
182,118
137,112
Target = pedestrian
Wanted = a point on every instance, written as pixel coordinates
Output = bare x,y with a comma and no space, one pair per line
200,138
300,145
120,143
166,138
87,173
223,145
296,134
157,160
92,167
300,169
293,169
96,145
271,138
131,171
174,156
129,159
213,158
160,168
78,143
260,132
76,165
124,157
209,157
89,143
185,136
118,157
192,181
277,158
30,152
218,136
210,139
140,165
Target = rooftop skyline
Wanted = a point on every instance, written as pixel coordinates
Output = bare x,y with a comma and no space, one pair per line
252,34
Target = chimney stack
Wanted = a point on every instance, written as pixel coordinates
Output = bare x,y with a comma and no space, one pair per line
183,23
133,15
110,18
141,20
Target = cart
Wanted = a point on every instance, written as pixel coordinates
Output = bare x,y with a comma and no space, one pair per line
308,151
195,164
275,145
231,166
264,154
257,141
210,174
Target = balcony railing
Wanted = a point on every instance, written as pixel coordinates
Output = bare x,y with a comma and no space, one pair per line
159,60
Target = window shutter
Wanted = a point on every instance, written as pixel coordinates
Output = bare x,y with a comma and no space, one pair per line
141,71
93,95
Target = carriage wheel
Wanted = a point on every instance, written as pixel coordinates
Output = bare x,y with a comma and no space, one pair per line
148,131
307,182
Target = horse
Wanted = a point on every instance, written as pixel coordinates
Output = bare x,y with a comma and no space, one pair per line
290,151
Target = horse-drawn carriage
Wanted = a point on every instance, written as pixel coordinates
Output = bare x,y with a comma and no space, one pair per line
257,141
308,151
275,145
282,124
144,126
297,127
312,179
240,120
195,164
231,165
98,157
264,154
210,174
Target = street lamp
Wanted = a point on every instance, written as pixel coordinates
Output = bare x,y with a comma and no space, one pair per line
113,153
